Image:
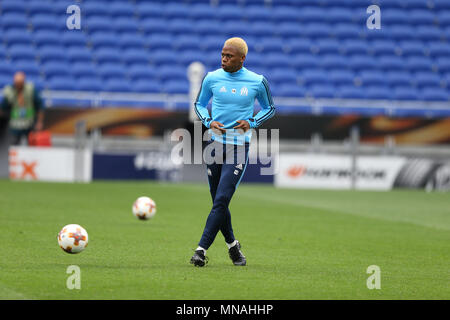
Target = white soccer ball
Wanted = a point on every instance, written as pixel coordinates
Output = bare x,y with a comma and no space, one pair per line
73,238
144,208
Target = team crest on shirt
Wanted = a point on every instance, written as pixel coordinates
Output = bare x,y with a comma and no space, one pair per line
233,90
223,89
244,91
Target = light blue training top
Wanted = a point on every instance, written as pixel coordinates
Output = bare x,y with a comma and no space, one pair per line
233,97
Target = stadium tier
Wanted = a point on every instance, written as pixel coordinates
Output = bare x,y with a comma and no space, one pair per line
306,49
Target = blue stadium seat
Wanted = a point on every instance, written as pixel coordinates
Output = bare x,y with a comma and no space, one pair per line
300,45
6,68
153,25
437,49
254,13
378,92
383,47
30,68
341,77
176,10
289,90
167,73
163,56
188,56
103,39
187,42
132,40
277,59
110,70
333,61
99,24
179,26
418,63
107,55
427,79
46,37
74,38
435,94
39,7
259,28
131,56
45,21
3,53
141,72
313,76
355,47
83,69
61,83
398,78
55,68
95,8
237,28
49,52
372,78
13,6
312,14
79,54
285,13
441,4
316,30
201,11
150,10
421,17
229,12
212,44
443,64
147,86
287,30
389,62
14,20
346,31
283,76
253,59
176,86
17,36
121,9
350,92
359,62
126,25
321,91
411,48
4,80
405,93
415,4
304,61
427,33
21,52
402,32
160,41
392,16
117,85
338,15
443,17
207,27
89,84
327,46
271,45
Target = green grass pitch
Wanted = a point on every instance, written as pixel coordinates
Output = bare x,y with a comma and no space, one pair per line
299,244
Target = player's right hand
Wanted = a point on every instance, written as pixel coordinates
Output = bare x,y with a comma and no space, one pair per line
216,126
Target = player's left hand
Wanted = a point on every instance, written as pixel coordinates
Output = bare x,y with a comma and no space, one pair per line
243,124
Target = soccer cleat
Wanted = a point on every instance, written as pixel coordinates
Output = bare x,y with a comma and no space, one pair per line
199,259
236,255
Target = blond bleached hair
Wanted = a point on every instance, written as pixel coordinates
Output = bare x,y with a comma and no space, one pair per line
239,44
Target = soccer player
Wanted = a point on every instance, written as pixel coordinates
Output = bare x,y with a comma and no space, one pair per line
233,90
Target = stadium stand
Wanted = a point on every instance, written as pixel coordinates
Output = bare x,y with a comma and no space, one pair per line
319,49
